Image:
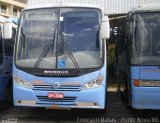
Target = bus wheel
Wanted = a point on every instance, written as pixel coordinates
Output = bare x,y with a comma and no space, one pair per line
9,95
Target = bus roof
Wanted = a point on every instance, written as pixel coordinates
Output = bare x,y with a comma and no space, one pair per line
148,7
64,5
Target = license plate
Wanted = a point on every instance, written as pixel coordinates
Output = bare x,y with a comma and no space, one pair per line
56,95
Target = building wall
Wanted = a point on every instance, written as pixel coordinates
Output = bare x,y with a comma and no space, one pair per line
11,8
123,6
110,6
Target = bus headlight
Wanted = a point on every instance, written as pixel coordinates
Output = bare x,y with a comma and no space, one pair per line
21,82
93,83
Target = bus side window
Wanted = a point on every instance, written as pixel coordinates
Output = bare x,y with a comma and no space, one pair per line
9,44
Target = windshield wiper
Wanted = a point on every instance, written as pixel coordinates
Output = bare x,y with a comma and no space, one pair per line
69,52
45,52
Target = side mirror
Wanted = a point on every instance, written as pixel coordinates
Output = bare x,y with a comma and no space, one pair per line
7,30
105,28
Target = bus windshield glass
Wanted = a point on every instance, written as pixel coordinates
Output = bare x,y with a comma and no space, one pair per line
146,41
59,38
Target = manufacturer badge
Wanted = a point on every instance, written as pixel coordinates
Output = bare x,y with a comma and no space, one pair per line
56,85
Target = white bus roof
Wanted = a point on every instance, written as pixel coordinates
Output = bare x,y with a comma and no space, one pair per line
64,5
148,7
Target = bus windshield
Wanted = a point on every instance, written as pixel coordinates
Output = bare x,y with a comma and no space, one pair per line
146,41
59,38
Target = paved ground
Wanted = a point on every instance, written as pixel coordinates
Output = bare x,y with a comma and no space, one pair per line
116,111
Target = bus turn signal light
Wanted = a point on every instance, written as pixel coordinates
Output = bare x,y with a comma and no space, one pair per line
136,82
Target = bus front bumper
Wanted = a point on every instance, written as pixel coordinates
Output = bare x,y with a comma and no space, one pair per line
89,99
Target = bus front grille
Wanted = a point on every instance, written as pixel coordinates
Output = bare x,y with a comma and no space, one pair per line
65,99
49,87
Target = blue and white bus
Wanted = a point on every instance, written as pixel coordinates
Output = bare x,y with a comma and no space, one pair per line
60,57
139,58
6,58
